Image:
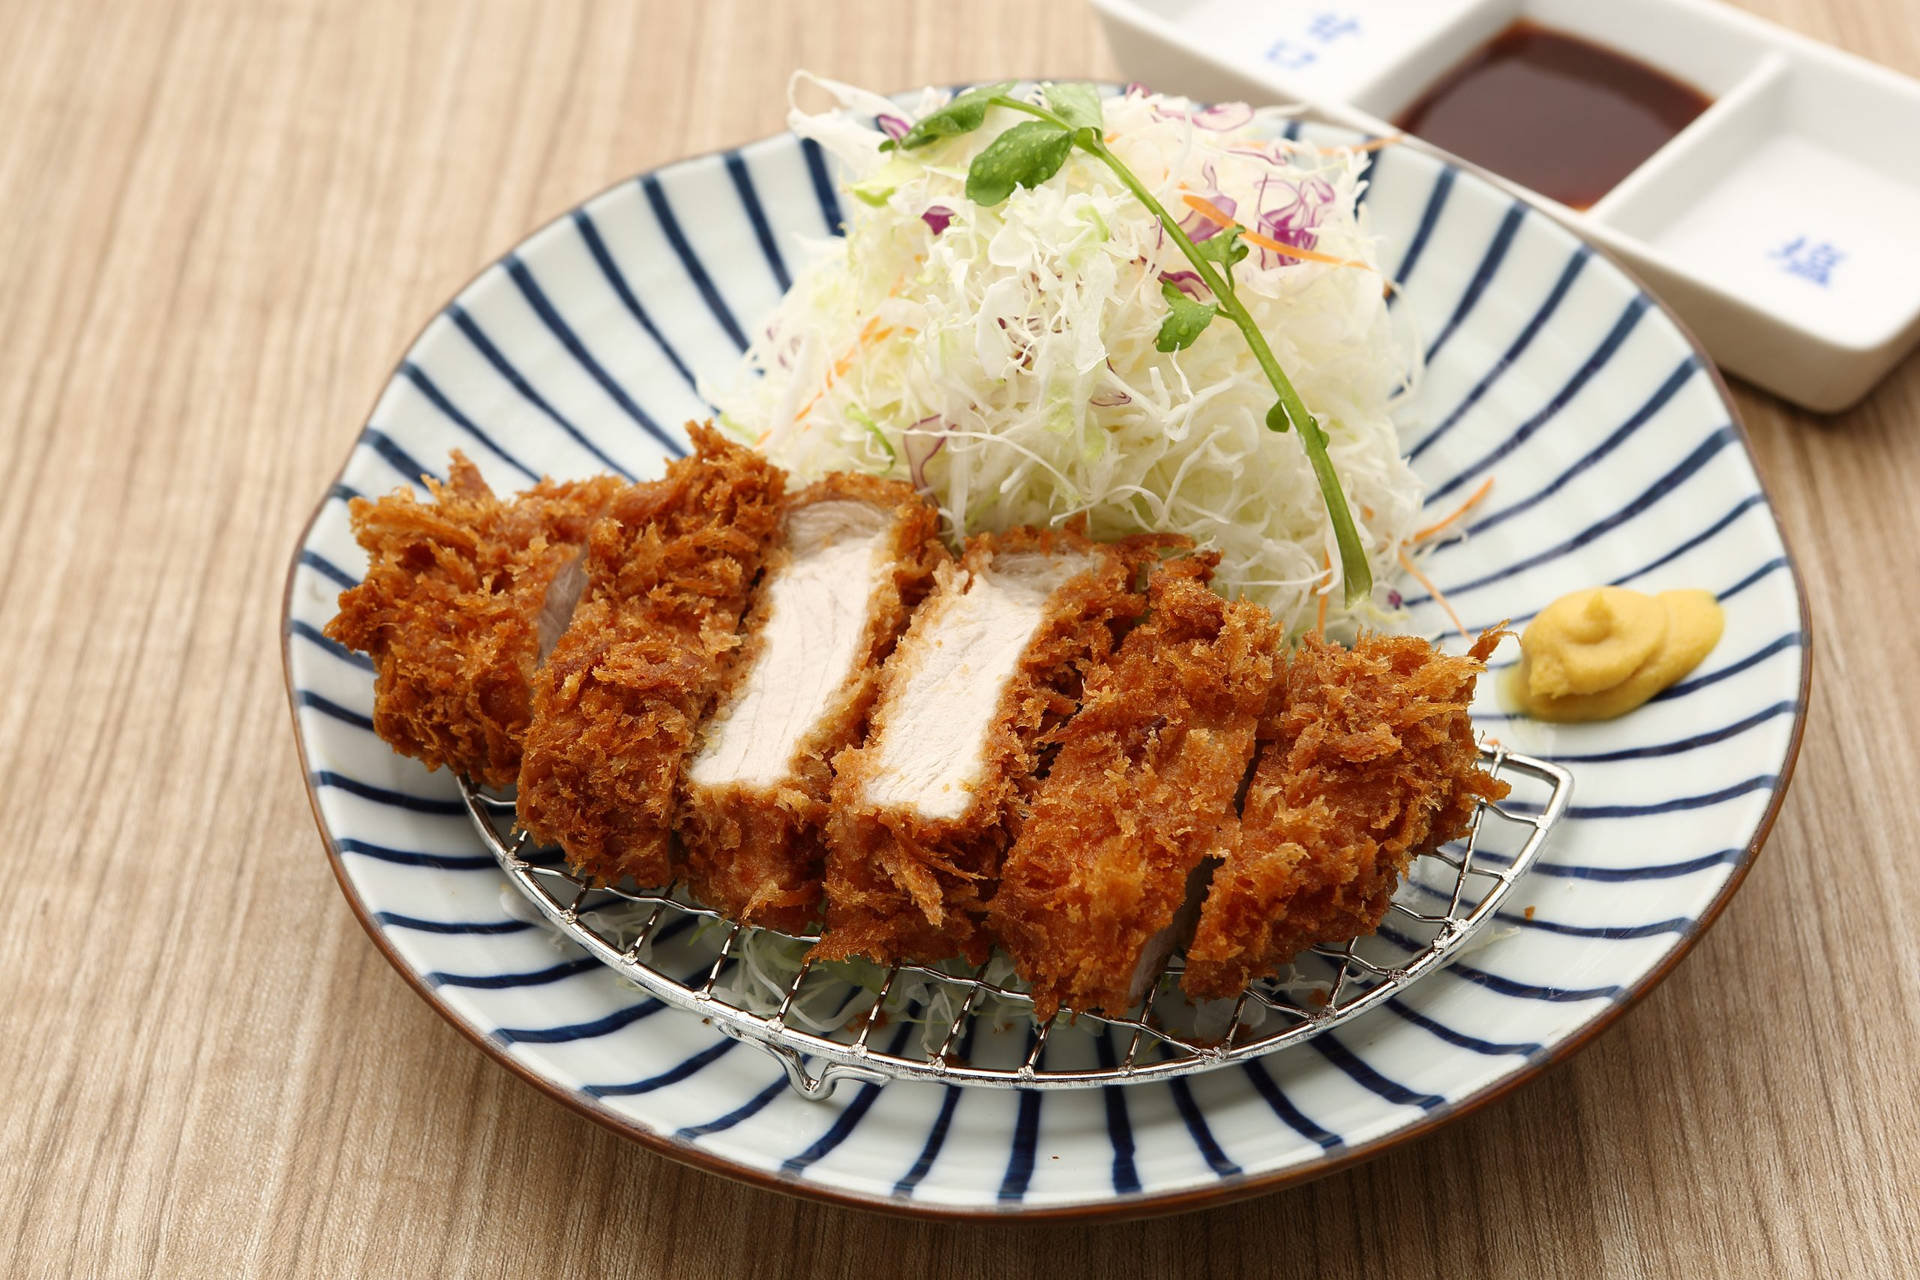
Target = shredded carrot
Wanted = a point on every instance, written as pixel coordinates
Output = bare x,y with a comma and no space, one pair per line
1371,144
1320,609
1406,562
1211,212
1486,487
1308,255
869,334
1207,209
866,337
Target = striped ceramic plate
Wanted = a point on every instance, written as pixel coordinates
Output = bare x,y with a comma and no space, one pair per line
1619,460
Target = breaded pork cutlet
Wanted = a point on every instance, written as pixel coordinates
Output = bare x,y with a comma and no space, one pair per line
670,568
990,667
1369,760
463,598
1140,799
856,555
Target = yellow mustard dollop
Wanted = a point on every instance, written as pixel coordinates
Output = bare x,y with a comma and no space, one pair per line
1599,653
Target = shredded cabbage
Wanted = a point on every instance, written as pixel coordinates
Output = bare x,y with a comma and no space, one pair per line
1004,358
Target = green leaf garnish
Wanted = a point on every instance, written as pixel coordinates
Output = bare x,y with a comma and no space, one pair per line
1227,249
1077,104
1024,156
1186,319
963,115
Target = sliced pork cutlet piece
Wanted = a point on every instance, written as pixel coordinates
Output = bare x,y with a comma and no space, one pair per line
989,669
459,607
1140,801
669,572
857,554
1368,760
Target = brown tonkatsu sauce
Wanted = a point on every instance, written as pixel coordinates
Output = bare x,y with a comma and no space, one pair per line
1555,113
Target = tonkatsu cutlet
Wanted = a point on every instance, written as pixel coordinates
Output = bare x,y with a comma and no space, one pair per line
1140,798
1369,760
463,598
992,663
857,553
934,755
615,707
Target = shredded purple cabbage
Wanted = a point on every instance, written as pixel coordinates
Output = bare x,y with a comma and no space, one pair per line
1186,282
1223,117
920,445
1196,224
1290,211
1274,156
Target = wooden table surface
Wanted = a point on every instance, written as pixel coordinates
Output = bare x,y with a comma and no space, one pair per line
220,222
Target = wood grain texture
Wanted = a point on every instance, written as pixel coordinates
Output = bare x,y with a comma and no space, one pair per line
220,222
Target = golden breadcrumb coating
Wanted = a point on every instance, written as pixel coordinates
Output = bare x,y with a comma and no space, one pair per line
1368,760
902,886
615,707
1105,820
755,852
450,611
1140,797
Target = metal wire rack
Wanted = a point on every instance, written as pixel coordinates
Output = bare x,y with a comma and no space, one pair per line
832,1022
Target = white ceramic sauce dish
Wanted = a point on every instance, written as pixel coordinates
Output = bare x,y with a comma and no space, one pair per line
1779,224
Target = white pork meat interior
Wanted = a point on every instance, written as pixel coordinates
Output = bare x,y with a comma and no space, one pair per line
958,663
556,608
813,633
